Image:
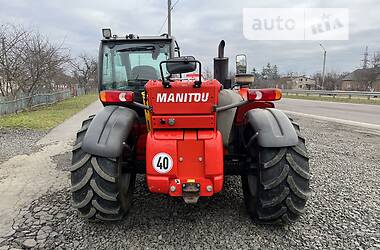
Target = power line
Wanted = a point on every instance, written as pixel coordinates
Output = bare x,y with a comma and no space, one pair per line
163,24
167,16
175,4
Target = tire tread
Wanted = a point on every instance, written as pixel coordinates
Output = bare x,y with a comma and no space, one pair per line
95,191
282,184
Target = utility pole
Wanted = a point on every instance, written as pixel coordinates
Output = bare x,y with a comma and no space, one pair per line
324,65
169,17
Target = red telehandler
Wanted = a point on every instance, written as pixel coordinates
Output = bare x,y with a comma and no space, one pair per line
184,134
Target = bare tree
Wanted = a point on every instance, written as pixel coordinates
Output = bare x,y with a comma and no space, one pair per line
367,79
29,62
207,74
333,80
84,71
376,60
13,46
42,62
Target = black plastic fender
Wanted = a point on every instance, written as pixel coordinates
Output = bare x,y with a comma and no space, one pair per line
108,130
273,127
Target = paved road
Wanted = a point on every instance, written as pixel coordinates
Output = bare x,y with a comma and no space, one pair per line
352,114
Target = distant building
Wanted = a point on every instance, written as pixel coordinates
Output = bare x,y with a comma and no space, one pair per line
376,86
287,82
362,80
301,82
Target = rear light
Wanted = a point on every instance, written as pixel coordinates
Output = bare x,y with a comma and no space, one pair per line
111,96
264,94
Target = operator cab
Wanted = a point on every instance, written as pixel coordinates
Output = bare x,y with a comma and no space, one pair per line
128,63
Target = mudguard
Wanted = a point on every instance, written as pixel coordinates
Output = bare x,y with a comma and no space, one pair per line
273,127
108,130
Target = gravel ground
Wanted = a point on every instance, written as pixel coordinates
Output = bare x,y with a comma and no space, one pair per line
18,141
62,161
343,212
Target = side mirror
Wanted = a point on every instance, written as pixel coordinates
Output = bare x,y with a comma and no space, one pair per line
179,65
241,64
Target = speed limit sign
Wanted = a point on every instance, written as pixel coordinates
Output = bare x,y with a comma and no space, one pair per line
162,163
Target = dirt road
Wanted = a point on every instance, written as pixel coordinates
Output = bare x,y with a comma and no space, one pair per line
26,177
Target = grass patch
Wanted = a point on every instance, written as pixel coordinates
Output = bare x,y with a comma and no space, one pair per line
344,99
49,116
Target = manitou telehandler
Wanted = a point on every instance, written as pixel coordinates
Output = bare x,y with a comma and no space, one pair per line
184,134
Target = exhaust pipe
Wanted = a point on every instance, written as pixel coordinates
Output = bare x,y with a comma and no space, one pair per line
221,46
221,67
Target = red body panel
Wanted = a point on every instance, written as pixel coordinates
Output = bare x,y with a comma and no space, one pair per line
188,121
184,145
194,160
191,139
182,98
244,93
140,131
242,110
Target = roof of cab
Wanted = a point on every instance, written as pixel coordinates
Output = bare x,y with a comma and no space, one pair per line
140,38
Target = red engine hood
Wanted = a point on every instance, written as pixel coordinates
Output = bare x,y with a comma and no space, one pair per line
182,97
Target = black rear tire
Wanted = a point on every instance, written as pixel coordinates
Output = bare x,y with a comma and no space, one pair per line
100,190
279,191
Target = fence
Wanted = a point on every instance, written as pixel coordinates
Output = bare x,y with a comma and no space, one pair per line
32,101
333,93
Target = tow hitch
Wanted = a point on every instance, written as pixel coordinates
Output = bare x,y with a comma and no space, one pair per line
190,192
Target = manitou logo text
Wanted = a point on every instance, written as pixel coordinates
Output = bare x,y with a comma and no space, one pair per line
182,97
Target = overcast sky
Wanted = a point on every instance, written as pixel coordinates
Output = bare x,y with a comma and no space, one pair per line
199,26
